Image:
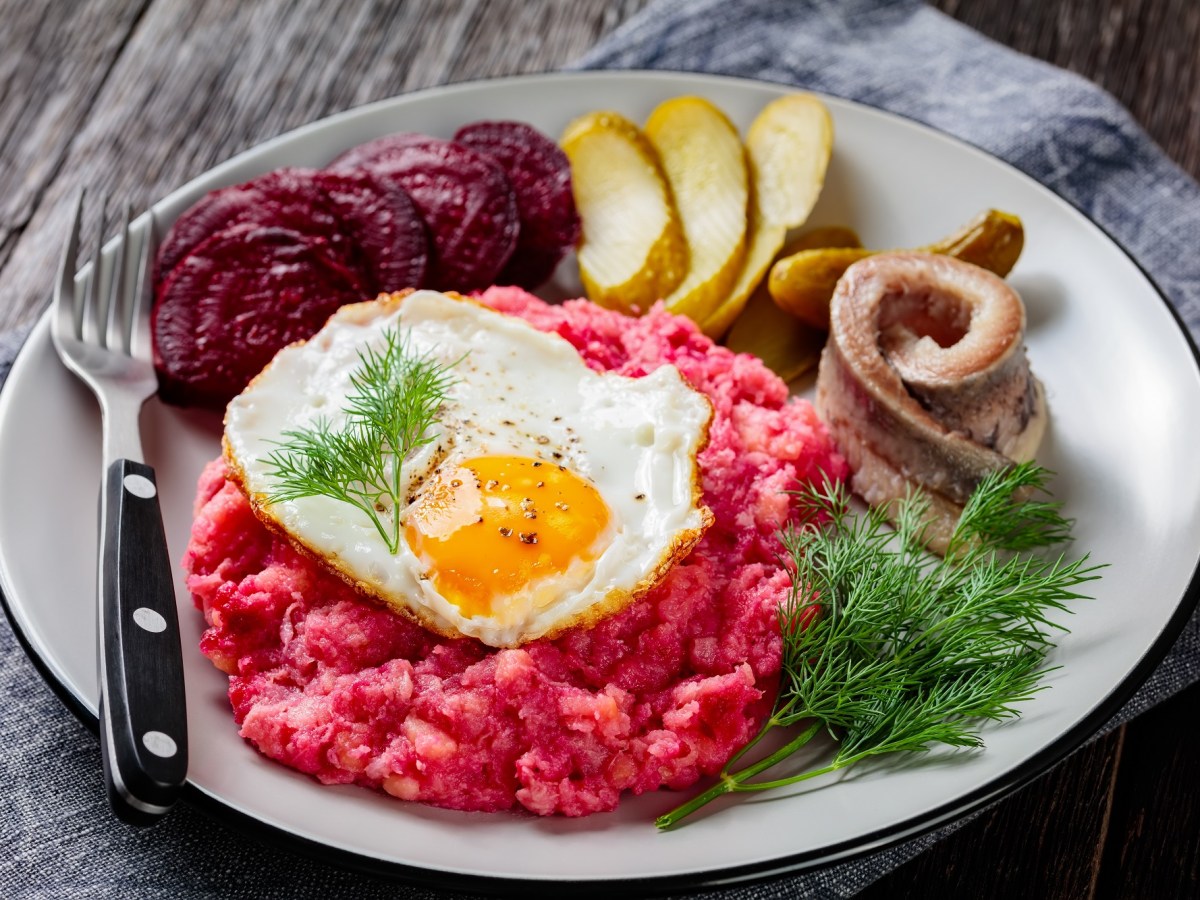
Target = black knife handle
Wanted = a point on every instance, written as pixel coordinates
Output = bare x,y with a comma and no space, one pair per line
143,717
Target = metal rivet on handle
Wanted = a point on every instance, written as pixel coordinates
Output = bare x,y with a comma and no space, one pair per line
149,619
159,744
139,486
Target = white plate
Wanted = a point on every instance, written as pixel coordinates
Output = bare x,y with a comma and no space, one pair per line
1119,372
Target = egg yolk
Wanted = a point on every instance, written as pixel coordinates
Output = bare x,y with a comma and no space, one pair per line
489,529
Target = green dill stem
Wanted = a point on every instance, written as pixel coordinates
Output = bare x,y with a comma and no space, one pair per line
735,781
841,762
803,776
773,721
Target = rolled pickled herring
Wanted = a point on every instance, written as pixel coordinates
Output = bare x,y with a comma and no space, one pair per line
924,382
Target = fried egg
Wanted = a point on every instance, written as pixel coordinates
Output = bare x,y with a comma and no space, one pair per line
550,495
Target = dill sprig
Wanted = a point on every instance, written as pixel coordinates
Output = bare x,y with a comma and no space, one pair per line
889,649
393,403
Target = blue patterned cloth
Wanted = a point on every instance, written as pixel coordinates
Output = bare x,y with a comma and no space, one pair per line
58,836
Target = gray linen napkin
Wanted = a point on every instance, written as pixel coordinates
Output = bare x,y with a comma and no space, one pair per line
58,836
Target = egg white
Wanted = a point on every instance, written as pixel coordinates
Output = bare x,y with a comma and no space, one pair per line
516,391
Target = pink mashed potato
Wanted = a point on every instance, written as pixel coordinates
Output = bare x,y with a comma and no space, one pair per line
337,686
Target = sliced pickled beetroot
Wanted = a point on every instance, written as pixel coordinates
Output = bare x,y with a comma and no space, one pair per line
236,299
285,198
213,212
541,178
464,197
362,155
381,220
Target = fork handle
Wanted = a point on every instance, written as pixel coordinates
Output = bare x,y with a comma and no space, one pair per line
143,720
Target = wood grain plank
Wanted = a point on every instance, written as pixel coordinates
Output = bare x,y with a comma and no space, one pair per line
54,60
1041,842
1154,850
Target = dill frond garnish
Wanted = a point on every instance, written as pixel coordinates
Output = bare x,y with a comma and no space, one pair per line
889,649
393,403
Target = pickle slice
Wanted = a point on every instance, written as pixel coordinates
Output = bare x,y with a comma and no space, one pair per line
633,251
705,164
788,148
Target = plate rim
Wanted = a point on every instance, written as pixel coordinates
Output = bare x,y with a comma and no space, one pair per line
967,804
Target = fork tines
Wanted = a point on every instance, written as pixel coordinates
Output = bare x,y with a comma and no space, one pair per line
97,300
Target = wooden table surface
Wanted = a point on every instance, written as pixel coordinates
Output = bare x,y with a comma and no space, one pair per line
139,96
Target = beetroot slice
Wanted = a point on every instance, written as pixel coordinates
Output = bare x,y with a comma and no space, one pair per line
213,212
290,198
363,155
464,197
541,178
238,298
380,219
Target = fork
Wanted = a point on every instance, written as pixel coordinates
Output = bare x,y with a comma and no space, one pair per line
104,338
